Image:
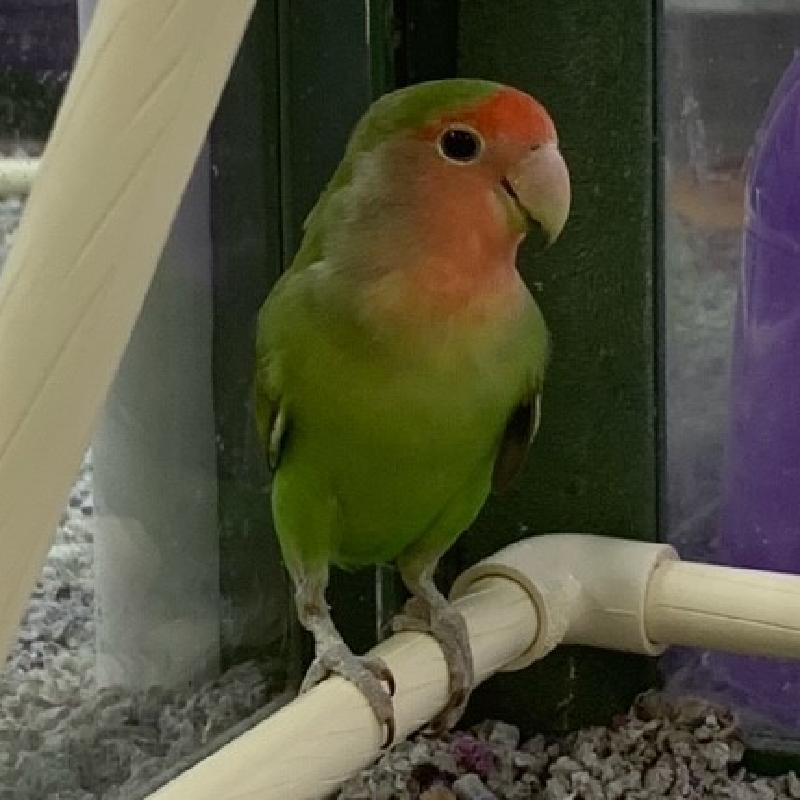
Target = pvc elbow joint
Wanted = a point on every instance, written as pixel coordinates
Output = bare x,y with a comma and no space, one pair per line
588,590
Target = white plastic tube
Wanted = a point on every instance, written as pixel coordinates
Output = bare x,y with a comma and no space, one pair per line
518,604
145,85
637,596
17,174
156,543
724,608
312,745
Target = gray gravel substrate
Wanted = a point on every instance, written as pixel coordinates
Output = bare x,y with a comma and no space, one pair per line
661,748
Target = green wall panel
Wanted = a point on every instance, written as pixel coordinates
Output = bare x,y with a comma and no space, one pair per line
593,467
247,235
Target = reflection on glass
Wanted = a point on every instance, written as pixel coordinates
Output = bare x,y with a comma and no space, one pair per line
727,468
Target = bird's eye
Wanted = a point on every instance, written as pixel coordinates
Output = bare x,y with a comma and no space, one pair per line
460,144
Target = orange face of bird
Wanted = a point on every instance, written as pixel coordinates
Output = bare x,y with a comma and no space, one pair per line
506,147
437,209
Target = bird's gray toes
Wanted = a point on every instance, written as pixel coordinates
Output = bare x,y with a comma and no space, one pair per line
366,673
447,626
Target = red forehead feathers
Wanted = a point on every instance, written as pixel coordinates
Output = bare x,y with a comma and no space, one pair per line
507,113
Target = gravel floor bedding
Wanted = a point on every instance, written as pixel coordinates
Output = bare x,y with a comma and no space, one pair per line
661,748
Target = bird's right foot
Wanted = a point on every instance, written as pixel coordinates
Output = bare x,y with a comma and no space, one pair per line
367,673
445,624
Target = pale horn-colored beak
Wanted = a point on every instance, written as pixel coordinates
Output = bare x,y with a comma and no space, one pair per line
539,185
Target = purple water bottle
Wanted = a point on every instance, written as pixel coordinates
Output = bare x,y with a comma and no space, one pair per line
760,514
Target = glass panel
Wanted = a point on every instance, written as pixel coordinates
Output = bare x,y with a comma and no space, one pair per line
130,663
732,335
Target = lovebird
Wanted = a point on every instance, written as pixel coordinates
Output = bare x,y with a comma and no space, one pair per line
400,358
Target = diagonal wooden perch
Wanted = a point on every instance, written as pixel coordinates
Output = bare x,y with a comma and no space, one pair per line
147,81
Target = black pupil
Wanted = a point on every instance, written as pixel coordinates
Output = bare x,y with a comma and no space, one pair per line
460,145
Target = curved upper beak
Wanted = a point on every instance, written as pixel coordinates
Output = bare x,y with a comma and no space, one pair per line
539,185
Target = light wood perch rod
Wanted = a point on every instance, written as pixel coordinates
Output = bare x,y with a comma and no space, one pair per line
146,83
518,604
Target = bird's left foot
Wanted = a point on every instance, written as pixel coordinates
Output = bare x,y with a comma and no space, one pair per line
367,673
445,624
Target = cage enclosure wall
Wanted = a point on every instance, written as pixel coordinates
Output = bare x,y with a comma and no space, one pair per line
731,387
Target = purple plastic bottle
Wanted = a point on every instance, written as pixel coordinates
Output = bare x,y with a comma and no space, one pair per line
760,515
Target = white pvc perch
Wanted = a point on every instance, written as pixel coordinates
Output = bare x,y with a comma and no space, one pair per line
17,174
724,608
146,83
518,604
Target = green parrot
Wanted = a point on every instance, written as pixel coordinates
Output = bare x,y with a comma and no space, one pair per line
400,359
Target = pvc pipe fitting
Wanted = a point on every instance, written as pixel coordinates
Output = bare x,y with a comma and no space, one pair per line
589,590
517,605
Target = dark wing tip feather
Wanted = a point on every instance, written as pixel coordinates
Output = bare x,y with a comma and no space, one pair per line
513,451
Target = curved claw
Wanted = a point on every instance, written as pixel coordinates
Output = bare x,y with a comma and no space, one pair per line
390,732
377,666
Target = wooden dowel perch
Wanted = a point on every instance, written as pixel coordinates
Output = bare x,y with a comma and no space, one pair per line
518,604
309,747
146,83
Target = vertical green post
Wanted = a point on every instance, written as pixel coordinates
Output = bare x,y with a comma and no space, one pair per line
304,75
331,58
382,45
593,467
325,85
427,40
247,233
